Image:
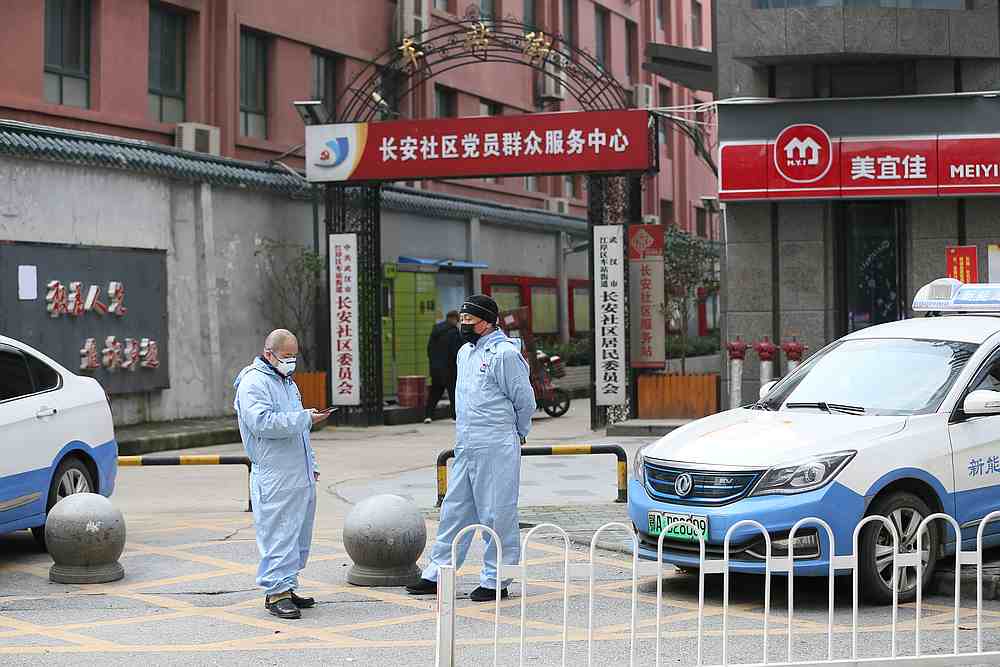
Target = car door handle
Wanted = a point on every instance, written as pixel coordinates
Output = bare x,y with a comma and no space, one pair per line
46,412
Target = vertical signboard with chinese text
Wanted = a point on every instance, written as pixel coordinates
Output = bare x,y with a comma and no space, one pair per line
100,312
346,380
647,326
962,263
609,315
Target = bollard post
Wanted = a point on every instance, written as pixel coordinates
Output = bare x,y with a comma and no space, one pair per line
445,640
793,350
766,350
737,352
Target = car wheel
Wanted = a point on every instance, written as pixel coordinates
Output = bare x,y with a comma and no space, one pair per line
905,511
71,477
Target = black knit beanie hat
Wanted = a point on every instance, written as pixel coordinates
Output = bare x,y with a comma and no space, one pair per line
483,307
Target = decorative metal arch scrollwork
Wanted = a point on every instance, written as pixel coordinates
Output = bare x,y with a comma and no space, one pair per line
380,87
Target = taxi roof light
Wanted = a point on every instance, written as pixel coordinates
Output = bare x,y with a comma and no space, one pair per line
951,295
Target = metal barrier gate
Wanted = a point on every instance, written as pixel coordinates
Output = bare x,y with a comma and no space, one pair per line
191,460
445,655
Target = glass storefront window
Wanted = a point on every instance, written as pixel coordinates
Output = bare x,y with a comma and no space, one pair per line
872,277
544,310
508,297
581,309
902,4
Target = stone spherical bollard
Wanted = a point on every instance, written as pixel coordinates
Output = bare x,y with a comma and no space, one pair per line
85,535
384,536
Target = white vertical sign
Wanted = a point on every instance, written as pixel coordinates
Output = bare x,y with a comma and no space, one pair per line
346,378
609,315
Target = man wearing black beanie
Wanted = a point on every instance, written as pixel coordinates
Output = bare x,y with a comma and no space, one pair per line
494,408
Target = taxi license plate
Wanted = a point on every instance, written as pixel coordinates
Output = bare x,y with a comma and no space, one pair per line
659,520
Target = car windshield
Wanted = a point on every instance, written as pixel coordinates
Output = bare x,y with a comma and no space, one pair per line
883,376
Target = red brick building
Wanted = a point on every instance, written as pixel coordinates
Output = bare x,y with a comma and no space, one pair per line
133,68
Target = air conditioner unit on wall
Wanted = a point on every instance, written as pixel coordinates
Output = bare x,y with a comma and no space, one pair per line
197,137
554,79
557,205
412,17
642,93
650,219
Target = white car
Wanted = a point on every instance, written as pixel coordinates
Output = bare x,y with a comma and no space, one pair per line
56,437
900,420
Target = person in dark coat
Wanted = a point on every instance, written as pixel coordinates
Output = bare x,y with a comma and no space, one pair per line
442,352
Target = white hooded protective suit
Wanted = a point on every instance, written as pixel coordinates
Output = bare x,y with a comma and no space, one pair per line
495,402
275,431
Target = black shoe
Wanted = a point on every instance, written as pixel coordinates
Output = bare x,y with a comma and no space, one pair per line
483,594
283,608
302,603
423,587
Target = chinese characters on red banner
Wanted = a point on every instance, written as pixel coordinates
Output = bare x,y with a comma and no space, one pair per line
113,355
609,314
648,330
344,319
961,263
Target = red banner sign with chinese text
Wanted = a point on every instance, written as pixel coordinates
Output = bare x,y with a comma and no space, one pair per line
647,322
541,143
961,263
803,162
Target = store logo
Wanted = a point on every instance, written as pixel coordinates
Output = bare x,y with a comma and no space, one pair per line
641,242
803,153
683,484
334,152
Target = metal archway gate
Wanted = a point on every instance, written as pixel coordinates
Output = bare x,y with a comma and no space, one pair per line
379,91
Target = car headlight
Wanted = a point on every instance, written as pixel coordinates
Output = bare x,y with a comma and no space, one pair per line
803,476
639,465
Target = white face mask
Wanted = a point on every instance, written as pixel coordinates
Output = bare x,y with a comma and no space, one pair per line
284,366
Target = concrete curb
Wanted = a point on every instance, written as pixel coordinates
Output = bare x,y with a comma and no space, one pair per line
150,444
644,428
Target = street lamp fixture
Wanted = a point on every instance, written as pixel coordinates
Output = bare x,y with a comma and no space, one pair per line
312,112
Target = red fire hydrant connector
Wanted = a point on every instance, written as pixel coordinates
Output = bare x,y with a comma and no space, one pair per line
737,349
765,349
793,349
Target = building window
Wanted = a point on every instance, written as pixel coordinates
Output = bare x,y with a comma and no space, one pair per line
445,102
568,21
663,16
581,309
253,85
569,187
631,51
601,20
701,222
666,212
696,30
664,124
324,82
530,13
544,310
531,183
67,52
441,5
487,9
508,297
166,65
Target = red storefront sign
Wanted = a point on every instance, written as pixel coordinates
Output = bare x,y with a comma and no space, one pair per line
552,143
802,163
961,263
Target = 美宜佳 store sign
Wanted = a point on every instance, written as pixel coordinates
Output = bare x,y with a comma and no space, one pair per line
549,143
804,162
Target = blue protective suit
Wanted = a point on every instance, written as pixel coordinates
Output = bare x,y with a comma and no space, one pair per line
275,431
495,402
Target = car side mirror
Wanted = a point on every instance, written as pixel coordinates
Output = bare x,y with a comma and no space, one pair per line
982,402
766,388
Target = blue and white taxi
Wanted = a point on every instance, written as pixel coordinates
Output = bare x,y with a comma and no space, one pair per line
900,420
